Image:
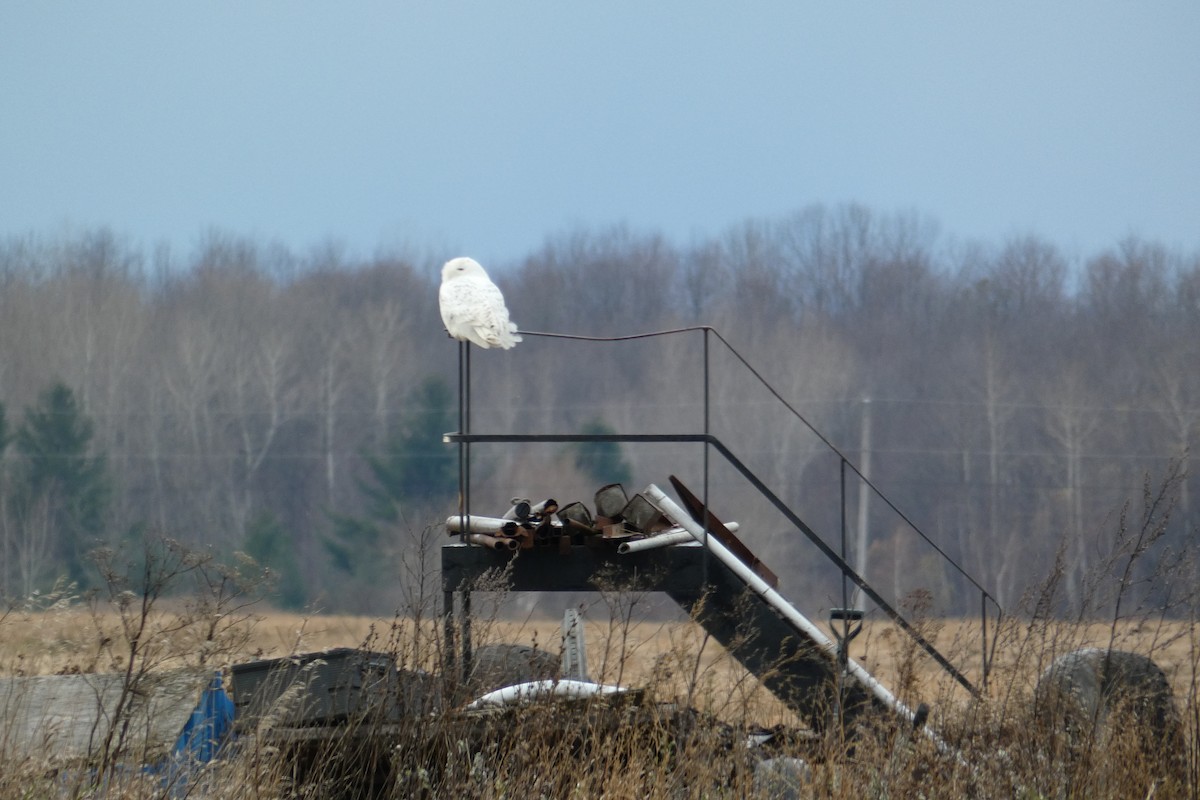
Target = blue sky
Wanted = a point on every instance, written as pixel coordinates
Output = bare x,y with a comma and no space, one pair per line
483,128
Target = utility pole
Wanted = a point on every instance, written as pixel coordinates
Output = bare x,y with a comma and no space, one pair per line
864,494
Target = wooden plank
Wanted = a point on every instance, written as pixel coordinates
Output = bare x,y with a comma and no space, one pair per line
66,717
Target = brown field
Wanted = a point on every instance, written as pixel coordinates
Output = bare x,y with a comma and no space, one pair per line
678,666
667,655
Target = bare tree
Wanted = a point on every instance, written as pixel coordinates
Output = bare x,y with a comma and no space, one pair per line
1072,419
385,329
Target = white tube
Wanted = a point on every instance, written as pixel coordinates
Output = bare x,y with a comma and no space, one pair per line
516,506
535,690
489,525
778,602
665,539
540,508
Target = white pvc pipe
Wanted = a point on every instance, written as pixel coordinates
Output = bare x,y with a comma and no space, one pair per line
512,512
489,525
665,539
777,601
673,536
534,690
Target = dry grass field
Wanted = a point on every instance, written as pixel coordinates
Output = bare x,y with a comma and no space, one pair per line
686,739
685,734
74,639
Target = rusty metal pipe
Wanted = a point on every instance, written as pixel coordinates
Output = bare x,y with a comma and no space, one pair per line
503,544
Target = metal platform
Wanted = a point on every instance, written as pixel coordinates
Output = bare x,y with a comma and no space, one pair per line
674,570
801,672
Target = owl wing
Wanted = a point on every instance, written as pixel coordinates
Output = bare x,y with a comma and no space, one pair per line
473,309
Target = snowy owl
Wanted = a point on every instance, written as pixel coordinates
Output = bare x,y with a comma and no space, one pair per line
473,308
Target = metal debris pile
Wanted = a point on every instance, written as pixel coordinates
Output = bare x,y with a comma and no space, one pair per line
628,524
526,525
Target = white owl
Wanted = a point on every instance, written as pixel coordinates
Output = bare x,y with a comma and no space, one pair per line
472,307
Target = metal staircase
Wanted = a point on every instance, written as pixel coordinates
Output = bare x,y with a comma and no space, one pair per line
721,586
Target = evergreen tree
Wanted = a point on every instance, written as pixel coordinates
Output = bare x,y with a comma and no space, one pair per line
267,543
59,480
414,470
603,462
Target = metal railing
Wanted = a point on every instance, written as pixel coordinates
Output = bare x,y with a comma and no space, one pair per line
988,604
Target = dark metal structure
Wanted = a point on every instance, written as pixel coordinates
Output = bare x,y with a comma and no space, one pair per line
801,674
799,671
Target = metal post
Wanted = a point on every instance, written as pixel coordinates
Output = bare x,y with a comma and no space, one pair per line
843,639
466,632
983,621
464,511
462,446
864,496
448,631
466,428
845,580
707,432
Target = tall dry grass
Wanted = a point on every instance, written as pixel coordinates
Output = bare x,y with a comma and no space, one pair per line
686,737
698,726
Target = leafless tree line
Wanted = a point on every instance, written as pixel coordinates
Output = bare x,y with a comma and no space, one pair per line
1018,396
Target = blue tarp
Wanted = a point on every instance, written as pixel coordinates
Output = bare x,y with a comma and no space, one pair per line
207,730
208,727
